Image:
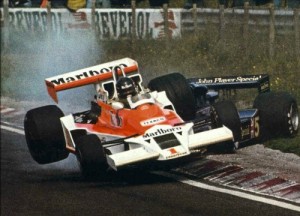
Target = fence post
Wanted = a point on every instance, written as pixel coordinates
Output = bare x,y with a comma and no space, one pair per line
93,13
283,3
5,25
5,13
271,30
49,20
166,24
195,19
49,23
222,22
133,28
297,29
133,24
246,21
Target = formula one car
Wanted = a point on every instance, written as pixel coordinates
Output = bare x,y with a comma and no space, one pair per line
172,118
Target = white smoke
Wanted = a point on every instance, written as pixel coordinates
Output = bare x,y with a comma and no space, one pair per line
30,58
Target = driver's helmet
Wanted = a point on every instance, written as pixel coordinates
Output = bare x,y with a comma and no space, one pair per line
125,86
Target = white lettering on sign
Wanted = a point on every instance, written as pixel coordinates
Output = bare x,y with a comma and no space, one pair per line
108,23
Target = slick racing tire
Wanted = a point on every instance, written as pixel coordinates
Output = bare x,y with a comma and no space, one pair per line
44,134
225,113
90,155
179,93
278,113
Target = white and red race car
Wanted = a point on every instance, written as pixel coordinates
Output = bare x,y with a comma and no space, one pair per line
128,123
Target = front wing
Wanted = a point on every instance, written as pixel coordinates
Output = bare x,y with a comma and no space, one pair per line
160,142
155,149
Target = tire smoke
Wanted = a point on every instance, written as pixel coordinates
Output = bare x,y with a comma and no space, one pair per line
30,57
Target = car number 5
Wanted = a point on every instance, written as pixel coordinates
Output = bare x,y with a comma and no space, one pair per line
256,126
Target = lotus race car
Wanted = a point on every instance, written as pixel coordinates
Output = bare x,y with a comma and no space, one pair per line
173,117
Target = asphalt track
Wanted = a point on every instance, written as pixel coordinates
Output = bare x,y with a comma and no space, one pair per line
57,189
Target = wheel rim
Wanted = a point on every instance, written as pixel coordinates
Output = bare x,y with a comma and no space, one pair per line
294,117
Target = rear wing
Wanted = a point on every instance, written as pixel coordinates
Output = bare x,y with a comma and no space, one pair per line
91,75
261,82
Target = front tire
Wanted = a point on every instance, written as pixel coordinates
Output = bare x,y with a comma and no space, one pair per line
179,93
278,113
44,134
90,155
225,113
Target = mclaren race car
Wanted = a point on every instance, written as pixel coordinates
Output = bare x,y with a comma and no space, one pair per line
173,117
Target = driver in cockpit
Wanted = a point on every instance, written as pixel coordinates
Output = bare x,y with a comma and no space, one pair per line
127,90
126,87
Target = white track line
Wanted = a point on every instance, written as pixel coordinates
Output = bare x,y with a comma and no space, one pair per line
18,131
230,192
7,110
205,186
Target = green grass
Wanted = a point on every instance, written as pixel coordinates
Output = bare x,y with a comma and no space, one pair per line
205,55
285,145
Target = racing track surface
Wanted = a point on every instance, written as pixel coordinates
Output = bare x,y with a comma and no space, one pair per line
57,189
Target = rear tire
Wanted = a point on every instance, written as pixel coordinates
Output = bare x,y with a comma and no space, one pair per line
44,134
90,155
225,113
278,113
179,93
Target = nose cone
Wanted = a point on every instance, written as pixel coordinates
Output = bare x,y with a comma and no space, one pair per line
145,116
